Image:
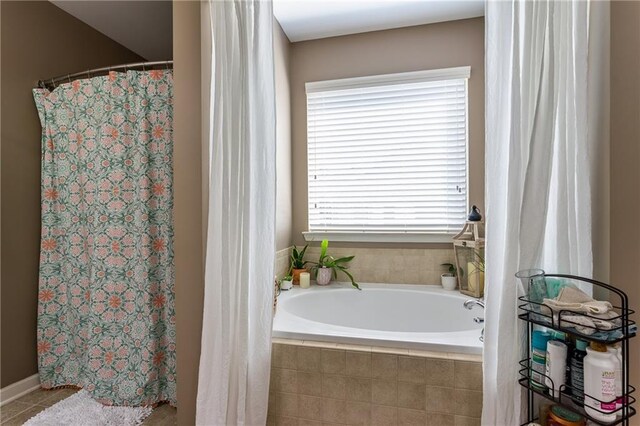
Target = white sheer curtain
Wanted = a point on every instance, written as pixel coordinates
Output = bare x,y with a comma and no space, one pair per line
538,170
234,371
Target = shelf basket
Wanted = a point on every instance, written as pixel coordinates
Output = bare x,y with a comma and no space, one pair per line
541,314
621,328
571,396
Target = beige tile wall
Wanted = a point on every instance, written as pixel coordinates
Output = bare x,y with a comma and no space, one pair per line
393,266
282,262
314,385
281,267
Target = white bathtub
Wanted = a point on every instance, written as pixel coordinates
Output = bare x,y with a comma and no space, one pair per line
392,315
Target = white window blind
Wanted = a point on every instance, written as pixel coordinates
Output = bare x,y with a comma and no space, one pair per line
388,154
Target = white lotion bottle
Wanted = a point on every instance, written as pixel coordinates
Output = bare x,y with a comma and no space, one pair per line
600,383
556,366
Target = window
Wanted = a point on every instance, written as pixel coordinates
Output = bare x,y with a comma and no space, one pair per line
387,156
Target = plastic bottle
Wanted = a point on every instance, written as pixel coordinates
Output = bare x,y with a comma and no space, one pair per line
599,383
577,370
539,341
558,335
563,337
556,366
616,352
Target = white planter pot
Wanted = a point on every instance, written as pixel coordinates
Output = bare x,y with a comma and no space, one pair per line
323,276
449,282
286,285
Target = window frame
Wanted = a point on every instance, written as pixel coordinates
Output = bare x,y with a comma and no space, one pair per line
463,72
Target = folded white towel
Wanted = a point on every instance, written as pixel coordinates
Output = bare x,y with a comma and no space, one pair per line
575,300
587,325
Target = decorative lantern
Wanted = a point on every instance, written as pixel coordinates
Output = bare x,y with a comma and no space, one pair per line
468,247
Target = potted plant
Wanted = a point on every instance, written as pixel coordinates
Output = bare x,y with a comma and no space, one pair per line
286,282
327,266
297,263
449,280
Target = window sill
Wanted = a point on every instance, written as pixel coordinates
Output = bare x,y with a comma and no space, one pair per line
378,237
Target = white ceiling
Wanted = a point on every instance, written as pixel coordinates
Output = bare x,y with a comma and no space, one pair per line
144,27
312,19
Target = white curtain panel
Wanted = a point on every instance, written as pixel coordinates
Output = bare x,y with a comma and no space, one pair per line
235,360
538,171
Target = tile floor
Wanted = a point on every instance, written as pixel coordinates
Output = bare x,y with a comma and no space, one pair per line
22,409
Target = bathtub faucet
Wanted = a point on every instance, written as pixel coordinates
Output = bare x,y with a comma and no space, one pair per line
469,304
473,302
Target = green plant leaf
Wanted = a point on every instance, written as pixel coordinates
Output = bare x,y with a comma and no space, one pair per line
451,268
323,248
346,259
479,261
297,258
353,283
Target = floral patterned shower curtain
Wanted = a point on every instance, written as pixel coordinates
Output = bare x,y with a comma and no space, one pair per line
106,319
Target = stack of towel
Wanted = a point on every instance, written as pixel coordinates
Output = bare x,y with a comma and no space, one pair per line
599,316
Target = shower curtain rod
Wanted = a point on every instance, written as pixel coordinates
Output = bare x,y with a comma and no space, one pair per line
51,83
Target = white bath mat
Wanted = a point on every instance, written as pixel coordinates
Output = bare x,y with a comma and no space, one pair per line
82,410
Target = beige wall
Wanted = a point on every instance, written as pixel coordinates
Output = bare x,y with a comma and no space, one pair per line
188,210
283,137
625,157
432,46
39,40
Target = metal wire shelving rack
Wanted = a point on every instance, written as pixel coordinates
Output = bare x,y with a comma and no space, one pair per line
537,314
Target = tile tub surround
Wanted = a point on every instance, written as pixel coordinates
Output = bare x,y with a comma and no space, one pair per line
282,262
317,383
398,266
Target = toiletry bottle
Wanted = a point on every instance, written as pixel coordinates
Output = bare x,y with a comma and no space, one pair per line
570,346
556,366
617,359
558,335
539,341
577,371
599,383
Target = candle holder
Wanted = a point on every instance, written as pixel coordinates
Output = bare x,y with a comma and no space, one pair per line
468,247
